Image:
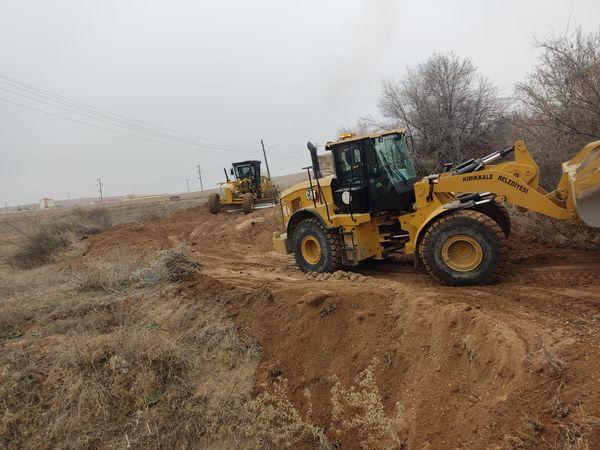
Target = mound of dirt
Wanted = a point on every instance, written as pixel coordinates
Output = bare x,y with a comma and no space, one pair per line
449,367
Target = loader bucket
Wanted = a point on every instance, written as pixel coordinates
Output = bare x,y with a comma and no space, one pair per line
584,181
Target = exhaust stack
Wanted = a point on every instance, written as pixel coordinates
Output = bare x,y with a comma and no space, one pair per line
315,159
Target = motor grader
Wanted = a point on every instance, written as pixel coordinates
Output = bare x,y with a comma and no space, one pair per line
454,222
244,190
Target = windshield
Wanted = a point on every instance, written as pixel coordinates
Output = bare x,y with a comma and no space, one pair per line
392,153
242,172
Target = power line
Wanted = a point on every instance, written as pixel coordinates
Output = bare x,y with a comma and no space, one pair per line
61,98
103,128
122,124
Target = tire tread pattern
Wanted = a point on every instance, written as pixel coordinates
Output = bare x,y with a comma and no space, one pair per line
484,220
334,244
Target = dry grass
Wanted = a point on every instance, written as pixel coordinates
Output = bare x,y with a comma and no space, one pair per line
41,244
131,371
277,423
170,266
152,368
558,233
360,408
526,438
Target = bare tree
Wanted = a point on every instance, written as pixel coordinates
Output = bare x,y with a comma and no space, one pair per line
449,109
564,89
561,99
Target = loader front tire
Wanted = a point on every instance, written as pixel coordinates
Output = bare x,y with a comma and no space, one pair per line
214,203
248,204
316,248
464,248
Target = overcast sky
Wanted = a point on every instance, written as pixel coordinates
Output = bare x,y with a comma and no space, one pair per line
228,73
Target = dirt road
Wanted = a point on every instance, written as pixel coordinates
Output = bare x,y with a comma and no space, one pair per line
513,364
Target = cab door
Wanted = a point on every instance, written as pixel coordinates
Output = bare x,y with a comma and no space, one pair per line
349,185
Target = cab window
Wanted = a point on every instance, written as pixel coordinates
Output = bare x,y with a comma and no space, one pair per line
349,168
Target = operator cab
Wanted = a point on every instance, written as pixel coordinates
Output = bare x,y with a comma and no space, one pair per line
248,170
373,173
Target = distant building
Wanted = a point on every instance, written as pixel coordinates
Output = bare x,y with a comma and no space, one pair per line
46,203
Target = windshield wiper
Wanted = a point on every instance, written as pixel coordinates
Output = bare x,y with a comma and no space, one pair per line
394,168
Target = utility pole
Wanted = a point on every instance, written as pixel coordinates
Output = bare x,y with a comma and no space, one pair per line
200,178
188,184
6,208
99,181
265,155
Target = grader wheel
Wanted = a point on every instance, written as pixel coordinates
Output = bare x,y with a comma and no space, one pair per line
316,249
214,203
464,248
248,204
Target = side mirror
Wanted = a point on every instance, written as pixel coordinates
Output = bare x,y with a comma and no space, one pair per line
231,172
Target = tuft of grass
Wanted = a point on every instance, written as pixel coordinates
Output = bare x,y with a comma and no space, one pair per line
276,422
171,266
115,277
360,408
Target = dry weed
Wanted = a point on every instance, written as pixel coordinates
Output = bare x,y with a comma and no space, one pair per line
360,408
171,266
573,435
274,421
526,438
559,233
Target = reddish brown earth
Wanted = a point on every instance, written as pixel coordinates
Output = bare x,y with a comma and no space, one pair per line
471,367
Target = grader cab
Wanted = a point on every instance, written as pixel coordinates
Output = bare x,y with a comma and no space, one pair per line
454,222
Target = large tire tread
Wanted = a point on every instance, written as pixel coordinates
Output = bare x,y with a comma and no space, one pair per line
334,247
479,217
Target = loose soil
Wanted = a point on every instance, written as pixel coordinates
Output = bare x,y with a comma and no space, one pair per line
511,364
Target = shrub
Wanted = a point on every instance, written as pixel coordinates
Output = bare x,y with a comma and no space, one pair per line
171,266
40,246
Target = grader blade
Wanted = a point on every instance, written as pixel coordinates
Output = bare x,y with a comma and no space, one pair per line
584,181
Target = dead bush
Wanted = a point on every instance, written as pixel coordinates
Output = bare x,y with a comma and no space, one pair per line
41,245
558,233
38,247
171,266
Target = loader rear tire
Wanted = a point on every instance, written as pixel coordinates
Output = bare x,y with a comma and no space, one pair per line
214,203
316,248
248,204
464,248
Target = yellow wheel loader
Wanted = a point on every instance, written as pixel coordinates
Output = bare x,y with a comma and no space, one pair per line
247,188
454,222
